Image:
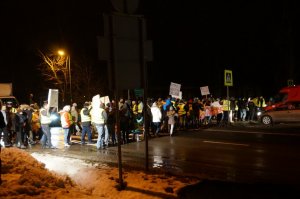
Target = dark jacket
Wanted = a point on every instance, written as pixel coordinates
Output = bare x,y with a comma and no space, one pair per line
2,122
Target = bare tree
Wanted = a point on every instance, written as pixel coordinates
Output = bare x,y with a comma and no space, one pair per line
55,71
86,80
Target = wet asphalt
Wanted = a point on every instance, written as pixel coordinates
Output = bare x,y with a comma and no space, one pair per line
241,169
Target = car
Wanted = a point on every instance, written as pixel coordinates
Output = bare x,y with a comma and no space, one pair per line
285,95
12,99
285,113
55,118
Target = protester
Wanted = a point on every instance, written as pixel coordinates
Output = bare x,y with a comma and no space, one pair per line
171,120
86,123
66,124
156,118
99,117
45,122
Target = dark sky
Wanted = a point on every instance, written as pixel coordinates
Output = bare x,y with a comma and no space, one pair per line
256,40
193,42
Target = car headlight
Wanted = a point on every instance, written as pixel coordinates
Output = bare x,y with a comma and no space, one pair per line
53,117
259,113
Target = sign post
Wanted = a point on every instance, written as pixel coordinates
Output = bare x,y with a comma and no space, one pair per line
228,81
139,92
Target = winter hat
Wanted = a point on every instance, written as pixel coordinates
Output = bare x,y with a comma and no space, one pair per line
67,108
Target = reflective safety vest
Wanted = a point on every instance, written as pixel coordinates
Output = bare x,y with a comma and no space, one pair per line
13,110
135,109
236,106
140,108
181,110
84,118
45,119
66,120
262,102
255,101
225,105
97,115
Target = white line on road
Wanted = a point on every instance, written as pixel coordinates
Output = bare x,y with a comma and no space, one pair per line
228,143
252,132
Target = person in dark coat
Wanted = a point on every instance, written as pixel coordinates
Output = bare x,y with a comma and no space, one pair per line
3,129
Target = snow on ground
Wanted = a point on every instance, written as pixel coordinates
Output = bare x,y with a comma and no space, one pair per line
46,176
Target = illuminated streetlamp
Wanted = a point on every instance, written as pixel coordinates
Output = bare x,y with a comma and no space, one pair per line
68,65
61,52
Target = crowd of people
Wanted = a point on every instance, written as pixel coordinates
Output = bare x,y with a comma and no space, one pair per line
30,124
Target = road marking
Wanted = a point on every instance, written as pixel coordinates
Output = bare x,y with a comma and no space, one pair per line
228,143
253,132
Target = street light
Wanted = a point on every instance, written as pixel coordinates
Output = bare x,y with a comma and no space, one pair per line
68,65
61,52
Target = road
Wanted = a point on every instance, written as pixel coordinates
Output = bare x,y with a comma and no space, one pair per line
239,161
238,153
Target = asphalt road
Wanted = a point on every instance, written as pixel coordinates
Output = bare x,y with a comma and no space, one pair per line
246,154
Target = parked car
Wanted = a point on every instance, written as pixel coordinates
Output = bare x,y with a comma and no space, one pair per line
285,113
12,99
55,118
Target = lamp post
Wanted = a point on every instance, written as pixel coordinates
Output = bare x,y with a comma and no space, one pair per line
68,66
70,77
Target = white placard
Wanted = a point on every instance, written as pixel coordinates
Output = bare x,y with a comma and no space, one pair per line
179,96
96,101
105,99
53,98
204,90
174,89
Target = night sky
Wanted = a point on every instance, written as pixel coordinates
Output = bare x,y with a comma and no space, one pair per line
193,42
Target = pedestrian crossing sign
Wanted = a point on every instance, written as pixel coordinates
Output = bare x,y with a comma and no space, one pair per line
228,81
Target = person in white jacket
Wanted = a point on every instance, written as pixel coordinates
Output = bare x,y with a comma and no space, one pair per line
99,118
156,118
